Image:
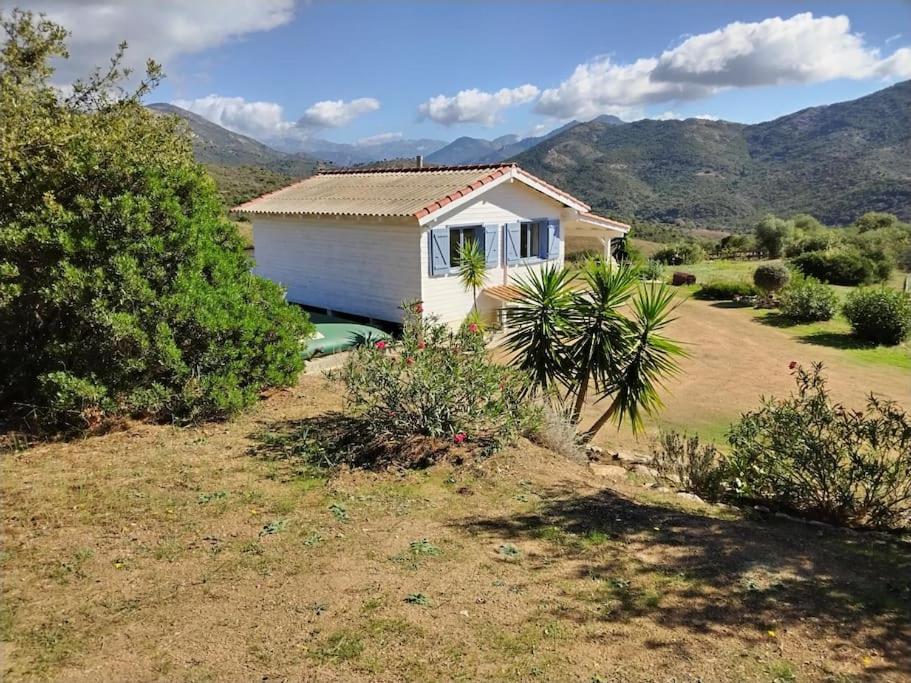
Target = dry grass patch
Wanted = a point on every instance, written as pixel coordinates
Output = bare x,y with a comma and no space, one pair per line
159,553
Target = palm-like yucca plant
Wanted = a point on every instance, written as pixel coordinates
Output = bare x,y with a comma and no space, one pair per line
472,269
598,332
538,323
563,336
648,359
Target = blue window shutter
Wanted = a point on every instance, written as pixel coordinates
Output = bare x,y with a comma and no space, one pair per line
439,251
553,238
492,245
513,240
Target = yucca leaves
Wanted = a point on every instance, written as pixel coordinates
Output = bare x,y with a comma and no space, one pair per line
607,333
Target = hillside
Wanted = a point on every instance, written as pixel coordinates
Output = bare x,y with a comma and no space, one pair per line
836,162
242,167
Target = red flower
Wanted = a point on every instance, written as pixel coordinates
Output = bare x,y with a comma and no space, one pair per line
419,308
422,345
381,345
473,328
792,365
459,438
409,361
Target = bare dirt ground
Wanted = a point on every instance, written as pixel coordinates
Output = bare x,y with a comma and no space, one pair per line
158,553
735,359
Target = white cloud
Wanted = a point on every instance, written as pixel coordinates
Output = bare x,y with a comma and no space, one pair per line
802,49
336,113
257,119
162,30
379,139
668,116
706,117
475,106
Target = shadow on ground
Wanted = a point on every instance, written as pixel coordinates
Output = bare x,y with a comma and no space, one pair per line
740,574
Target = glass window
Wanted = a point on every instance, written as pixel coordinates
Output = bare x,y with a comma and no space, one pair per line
458,238
530,246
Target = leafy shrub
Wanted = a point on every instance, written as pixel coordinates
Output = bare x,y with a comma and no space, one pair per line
772,234
815,457
688,464
725,290
123,288
808,300
435,383
681,253
651,270
846,266
771,278
879,315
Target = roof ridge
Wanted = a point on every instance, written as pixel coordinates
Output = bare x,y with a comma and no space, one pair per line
415,169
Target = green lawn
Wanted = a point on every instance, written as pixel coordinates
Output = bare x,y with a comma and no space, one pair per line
835,333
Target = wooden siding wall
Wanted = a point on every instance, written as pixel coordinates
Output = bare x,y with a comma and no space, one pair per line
364,268
509,202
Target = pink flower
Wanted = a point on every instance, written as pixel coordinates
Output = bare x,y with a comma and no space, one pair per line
473,328
792,365
409,361
381,345
422,345
459,438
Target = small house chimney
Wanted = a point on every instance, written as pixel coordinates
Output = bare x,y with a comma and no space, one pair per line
419,161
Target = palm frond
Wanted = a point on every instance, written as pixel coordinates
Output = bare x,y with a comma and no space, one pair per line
538,325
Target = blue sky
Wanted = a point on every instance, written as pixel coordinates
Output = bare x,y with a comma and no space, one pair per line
346,71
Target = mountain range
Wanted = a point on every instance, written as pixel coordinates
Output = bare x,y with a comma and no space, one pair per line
835,161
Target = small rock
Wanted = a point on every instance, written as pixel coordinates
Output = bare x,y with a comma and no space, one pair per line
614,472
690,496
464,612
761,508
632,458
645,471
725,506
663,489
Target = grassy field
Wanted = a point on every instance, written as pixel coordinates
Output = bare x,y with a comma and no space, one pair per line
160,553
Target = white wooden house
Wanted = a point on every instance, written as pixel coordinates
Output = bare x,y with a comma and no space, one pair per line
362,241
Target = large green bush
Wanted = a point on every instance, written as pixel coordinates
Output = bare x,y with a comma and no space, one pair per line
809,455
844,266
123,288
771,278
681,253
879,314
434,383
726,290
806,300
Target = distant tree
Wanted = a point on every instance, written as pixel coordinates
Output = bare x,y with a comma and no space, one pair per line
123,288
874,220
772,234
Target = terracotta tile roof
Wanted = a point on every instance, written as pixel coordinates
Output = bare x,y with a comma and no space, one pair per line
408,192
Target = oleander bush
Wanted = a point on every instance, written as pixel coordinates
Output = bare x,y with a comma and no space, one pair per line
879,314
435,383
809,455
806,300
